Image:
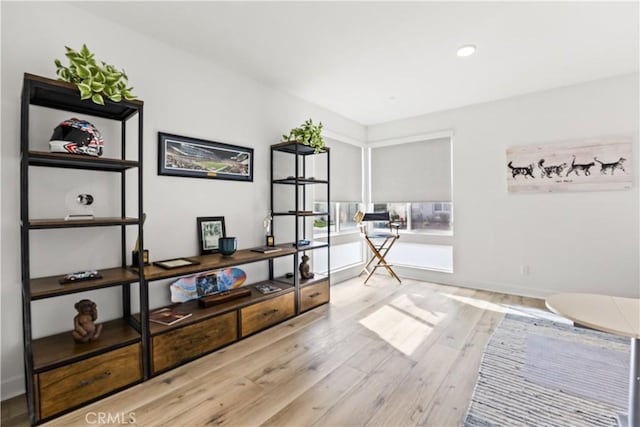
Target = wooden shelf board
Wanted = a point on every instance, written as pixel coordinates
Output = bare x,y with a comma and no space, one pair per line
79,161
45,287
215,262
299,213
96,222
199,313
66,96
61,348
303,282
314,244
295,147
299,181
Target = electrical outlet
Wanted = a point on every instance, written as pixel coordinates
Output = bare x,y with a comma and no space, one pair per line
524,270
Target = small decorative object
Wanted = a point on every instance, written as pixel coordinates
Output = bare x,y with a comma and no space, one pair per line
202,284
80,276
305,270
209,300
145,257
136,249
79,207
95,79
199,158
210,230
168,264
307,134
227,245
85,328
269,240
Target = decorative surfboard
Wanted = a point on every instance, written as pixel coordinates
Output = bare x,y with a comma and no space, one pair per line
202,284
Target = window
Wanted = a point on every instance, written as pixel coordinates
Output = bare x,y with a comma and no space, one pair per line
425,217
341,213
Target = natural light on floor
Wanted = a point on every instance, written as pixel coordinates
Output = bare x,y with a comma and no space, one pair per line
402,324
501,308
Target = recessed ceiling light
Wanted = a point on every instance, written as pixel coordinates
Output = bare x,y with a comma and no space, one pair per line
466,50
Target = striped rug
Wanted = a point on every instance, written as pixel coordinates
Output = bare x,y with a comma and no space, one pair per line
541,372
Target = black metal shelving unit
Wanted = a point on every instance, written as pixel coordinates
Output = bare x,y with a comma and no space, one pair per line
300,182
48,353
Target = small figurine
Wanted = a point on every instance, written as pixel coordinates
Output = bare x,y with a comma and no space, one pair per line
85,329
269,240
305,272
267,224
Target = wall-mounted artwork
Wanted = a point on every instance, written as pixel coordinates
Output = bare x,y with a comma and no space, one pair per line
198,158
585,165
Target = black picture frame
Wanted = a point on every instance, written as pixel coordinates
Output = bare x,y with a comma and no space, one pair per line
199,158
210,229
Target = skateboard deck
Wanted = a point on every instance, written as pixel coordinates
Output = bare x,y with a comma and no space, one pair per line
208,283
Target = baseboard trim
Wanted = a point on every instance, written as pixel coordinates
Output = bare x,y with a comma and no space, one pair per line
12,387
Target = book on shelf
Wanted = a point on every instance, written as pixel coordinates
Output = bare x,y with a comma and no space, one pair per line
266,249
167,316
267,288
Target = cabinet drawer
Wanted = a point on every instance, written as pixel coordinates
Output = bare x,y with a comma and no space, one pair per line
258,316
79,382
175,346
313,295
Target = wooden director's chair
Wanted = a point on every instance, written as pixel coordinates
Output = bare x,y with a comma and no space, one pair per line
378,250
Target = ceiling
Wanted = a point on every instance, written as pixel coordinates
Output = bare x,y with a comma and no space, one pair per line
374,62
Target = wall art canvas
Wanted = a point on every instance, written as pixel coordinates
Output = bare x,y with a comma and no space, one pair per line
585,165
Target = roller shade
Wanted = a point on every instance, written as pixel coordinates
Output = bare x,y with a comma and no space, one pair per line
345,172
412,172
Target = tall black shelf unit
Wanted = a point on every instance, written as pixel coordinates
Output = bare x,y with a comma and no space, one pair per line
318,287
120,358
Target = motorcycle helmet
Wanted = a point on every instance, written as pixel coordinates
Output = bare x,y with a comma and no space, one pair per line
77,137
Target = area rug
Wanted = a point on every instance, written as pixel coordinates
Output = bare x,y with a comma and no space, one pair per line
541,372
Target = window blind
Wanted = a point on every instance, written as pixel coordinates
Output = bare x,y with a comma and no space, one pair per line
412,172
345,172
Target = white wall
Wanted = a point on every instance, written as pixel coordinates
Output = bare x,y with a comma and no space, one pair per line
183,94
571,242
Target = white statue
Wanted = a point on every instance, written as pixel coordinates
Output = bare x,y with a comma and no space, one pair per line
267,224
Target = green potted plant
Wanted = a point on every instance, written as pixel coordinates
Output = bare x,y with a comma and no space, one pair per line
95,79
307,134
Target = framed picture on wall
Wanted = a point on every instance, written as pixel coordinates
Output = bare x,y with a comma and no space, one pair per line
210,229
198,158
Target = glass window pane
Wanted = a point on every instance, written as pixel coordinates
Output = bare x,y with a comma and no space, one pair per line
431,217
320,223
397,214
347,212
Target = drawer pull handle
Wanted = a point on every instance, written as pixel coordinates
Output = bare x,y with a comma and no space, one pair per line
315,294
102,376
267,313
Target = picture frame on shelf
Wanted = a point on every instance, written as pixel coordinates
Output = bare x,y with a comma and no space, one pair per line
210,229
199,158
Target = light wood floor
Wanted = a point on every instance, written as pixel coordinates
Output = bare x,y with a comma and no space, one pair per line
382,355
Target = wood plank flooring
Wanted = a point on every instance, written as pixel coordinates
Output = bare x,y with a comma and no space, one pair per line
380,354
